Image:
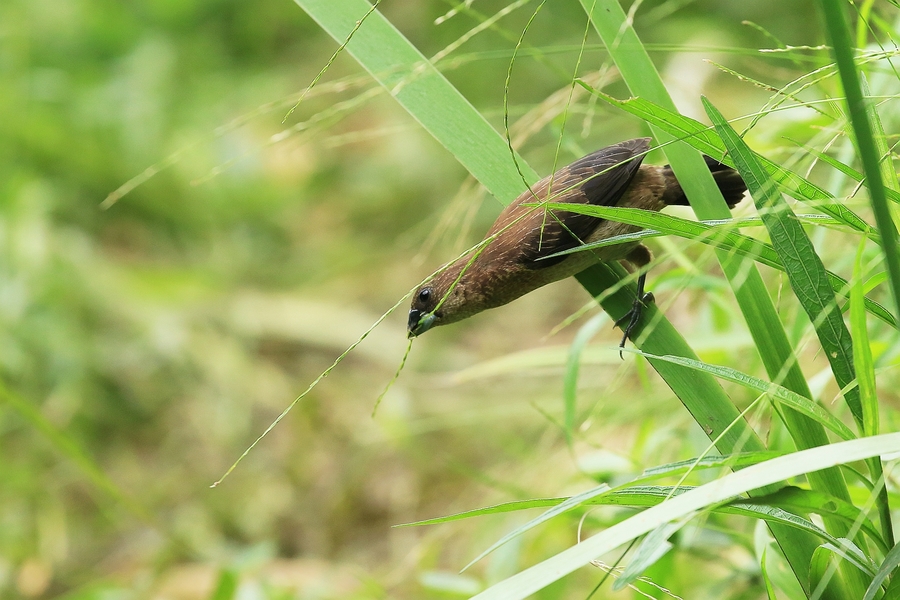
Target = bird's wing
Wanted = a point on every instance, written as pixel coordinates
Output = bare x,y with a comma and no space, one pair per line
599,178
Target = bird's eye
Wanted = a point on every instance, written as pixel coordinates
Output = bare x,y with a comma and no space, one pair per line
424,295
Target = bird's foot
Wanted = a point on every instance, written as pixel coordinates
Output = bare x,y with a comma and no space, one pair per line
633,316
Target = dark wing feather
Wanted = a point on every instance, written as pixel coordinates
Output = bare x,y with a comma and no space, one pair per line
599,178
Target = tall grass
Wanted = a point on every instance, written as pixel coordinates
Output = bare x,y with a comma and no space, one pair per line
849,554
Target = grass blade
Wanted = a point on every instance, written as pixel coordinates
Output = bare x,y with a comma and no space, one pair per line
669,470
537,577
802,501
890,563
649,496
776,392
706,140
804,268
839,34
564,506
847,170
717,236
862,352
865,374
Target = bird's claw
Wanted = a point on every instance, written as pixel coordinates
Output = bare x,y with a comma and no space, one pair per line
633,317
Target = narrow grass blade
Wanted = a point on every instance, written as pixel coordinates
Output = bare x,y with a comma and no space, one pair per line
802,501
734,461
776,392
839,34
862,352
865,375
675,469
706,140
852,554
537,577
649,496
804,268
559,509
888,565
718,236
719,224
847,170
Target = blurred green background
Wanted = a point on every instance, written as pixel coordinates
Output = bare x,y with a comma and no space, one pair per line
147,342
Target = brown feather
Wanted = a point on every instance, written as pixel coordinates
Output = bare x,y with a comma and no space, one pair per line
511,261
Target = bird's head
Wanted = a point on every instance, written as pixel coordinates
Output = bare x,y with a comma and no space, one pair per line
441,300
422,313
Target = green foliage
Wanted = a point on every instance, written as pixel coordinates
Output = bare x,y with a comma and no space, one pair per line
203,204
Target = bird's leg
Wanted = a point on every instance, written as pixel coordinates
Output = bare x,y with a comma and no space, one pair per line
633,316
639,257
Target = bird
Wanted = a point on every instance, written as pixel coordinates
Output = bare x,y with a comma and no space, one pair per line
520,251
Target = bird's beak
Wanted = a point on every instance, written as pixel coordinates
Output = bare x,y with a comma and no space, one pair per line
419,323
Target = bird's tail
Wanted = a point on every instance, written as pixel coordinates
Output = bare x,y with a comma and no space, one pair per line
729,181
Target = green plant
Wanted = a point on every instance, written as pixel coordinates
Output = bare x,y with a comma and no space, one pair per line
431,100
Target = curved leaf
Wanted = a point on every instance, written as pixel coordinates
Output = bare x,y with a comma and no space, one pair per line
537,577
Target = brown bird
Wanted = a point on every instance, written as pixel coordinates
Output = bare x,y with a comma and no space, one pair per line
512,259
